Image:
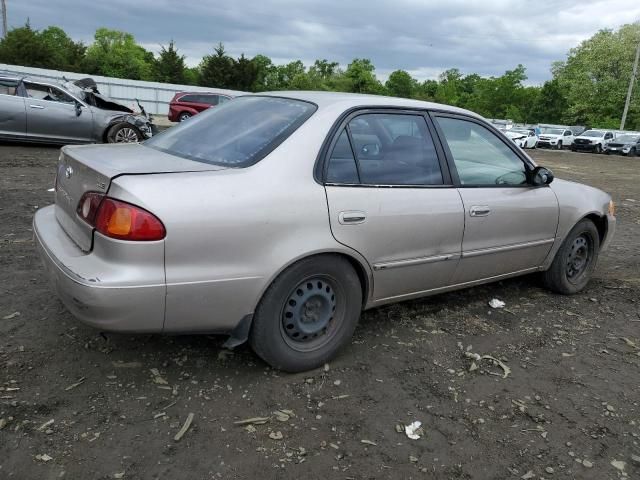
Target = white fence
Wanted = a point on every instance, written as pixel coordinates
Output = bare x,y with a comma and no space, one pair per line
154,96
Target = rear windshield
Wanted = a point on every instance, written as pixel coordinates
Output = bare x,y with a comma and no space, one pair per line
238,133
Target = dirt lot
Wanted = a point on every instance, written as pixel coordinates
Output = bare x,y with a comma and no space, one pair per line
80,405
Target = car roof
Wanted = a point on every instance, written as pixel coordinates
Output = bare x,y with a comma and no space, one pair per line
354,100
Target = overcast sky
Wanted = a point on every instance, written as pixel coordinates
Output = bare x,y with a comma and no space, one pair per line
421,36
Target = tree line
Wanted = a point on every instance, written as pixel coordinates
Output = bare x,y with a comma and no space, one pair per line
588,87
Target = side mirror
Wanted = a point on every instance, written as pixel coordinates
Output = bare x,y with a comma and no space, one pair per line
78,109
541,176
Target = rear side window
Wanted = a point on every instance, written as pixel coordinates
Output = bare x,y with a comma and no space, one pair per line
189,98
390,149
8,87
208,99
236,134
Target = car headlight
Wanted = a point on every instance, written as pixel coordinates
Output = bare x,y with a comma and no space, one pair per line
612,208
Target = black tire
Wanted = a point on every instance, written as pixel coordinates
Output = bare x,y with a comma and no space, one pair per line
568,273
124,133
573,149
184,116
291,337
633,152
598,149
559,147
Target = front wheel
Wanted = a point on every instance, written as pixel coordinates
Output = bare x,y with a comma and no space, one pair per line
307,314
598,148
124,133
559,146
575,261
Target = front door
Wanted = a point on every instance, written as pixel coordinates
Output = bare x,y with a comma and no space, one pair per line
510,225
390,200
51,114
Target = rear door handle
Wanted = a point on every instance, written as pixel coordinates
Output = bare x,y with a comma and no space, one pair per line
39,107
352,217
479,211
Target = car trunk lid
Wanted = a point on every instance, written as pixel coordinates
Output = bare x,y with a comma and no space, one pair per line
91,168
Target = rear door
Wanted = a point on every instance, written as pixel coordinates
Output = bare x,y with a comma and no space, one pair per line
51,114
390,199
510,226
13,118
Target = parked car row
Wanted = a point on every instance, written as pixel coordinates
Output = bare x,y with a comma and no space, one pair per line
185,105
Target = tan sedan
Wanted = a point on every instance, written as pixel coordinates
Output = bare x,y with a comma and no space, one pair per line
279,217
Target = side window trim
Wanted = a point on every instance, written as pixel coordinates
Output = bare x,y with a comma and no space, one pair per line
434,114
353,151
342,124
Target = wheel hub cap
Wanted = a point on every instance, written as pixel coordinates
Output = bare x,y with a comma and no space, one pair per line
309,310
126,135
578,257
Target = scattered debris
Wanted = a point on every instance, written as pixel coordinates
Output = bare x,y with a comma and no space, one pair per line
368,442
549,470
184,428
495,303
11,315
43,457
478,358
635,459
587,464
283,415
413,459
45,424
252,421
126,364
3,423
630,343
157,378
276,435
528,475
414,430
619,465
74,385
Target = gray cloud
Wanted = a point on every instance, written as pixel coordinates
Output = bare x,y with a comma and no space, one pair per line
423,37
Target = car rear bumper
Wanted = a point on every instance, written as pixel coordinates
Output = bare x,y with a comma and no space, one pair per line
125,294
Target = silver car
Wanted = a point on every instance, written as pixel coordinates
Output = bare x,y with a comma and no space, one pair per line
36,110
277,218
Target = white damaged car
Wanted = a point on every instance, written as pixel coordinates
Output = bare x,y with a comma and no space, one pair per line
523,137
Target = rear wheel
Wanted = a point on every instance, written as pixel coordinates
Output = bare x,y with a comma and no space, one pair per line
575,261
184,116
124,133
598,148
307,314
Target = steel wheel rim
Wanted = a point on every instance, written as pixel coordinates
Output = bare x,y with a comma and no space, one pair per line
126,135
579,257
311,313
184,117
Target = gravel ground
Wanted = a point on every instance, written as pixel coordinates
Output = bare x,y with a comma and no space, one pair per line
77,404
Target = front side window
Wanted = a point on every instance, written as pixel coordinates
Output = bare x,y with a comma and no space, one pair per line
390,149
48,93
480,157
189,98
236,134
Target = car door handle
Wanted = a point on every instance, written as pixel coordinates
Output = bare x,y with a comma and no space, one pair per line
479,211
351,217
39,107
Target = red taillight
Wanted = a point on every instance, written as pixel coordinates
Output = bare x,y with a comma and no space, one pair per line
121,220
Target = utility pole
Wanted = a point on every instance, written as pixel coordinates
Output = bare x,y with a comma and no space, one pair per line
4,18
633,78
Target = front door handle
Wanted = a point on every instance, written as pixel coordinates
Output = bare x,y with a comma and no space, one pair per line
39,107
352,217
479,211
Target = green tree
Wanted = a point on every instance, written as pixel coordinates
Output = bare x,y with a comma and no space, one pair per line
116,54
23,46
361,77
401,84
65,54
169,67
265,74
595,76
550,104
245,74
217,70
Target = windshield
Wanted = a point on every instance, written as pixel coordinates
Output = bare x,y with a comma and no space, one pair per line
592,133
553,131
238,133
628,139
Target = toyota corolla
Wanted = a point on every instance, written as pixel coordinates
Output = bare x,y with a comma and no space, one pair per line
277,218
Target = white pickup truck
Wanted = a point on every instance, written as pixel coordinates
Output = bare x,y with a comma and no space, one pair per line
592,141
555,137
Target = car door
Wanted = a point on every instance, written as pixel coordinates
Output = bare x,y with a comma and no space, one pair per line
51,114
510,226
13,119
390,199
608,138
567,138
